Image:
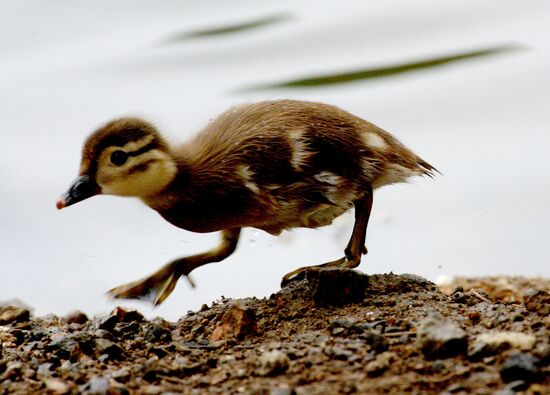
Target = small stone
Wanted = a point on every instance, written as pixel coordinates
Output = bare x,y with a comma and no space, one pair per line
455,387
103,386
13,371
441,338
537,301
283,391
155,332
109,348
127,330
151,389
127,315
107,323
272,363
68,367
495,342
520,366
376,341
103,334
338,331
121,375
338,353
438,366
56,386
45,369
65,347
337,287
86,341
10,314
516,386
160,352
96,386
236,323
380,364
76,317
458,297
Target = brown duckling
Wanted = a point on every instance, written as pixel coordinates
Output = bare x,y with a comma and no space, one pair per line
272,165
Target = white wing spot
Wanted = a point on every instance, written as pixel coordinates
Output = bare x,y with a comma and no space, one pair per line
328,178
298,147
246,175
373,140
336,191
370,167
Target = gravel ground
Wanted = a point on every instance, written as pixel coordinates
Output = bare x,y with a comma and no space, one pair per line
329,332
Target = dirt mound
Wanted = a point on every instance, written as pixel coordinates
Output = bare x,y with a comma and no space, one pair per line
334,331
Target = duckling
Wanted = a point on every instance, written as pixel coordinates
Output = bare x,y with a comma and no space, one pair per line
272,165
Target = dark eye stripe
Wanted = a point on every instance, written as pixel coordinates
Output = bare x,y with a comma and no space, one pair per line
140,167
153,144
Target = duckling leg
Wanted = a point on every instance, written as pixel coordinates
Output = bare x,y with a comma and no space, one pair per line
356,245
159,285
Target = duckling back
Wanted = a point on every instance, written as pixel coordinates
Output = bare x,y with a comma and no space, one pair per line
293,163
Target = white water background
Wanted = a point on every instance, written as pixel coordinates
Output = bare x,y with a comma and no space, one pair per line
68,66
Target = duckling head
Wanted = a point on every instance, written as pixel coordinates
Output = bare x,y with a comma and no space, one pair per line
125,157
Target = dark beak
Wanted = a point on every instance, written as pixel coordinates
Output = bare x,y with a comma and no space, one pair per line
81,188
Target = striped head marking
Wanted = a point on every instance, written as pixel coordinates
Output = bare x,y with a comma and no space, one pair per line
128,157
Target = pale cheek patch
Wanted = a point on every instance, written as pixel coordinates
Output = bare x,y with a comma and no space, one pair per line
246,175
298,146
144,176
373,140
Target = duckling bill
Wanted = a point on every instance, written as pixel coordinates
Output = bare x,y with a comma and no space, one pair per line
272,165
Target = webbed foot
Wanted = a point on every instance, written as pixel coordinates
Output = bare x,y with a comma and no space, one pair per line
153,289
342,262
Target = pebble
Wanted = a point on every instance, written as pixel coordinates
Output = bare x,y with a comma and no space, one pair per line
107,323
45,369
56,386
494,342
65,347
272,363
380,364
109,348
237,322
521,366
337,287
127,315
96,386
155,332
76,317
13,371
516,386
10,314
103,386
537,301
441,338
282,391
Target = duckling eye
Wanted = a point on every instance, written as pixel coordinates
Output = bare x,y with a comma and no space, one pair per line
118,158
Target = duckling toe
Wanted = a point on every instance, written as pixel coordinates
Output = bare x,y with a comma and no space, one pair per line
296,274
154,289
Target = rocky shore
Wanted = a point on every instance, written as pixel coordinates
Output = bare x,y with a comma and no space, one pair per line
329,332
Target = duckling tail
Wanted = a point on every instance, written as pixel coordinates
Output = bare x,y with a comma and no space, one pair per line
426,169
